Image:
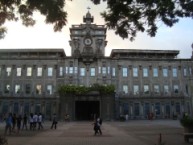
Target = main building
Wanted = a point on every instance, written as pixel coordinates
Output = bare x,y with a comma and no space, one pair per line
146,81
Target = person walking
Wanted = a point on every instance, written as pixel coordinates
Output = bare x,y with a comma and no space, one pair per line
95,127
8,121
40,126
24,122
54,122
14,122
99,123
19,119
31,121
35,120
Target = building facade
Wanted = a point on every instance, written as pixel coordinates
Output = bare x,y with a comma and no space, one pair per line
146,81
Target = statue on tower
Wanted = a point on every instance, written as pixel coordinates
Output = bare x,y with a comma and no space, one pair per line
99,43
76,46
192,51
88,19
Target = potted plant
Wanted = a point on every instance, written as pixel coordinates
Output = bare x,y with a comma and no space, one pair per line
187,123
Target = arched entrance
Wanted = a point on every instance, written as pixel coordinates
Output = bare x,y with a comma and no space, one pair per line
85,110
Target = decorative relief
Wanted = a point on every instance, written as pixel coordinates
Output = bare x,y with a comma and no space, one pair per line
76,43
88,50
76,53
99,43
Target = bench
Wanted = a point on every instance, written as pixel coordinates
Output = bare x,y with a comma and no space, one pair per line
187,136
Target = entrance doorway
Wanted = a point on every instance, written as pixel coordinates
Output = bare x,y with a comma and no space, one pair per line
85,110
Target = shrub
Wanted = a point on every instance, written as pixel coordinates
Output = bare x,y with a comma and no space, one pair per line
187,121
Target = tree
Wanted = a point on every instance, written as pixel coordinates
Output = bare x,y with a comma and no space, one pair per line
12,10
126,17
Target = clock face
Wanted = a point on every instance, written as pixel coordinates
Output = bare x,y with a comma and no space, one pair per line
87,41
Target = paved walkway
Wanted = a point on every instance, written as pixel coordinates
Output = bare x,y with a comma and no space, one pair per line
114,133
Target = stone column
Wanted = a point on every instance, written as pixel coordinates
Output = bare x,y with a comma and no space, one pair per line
142,110
21,108
162,109
131,110
32,107
11,106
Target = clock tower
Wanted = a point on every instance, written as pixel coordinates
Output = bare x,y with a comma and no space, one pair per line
88,40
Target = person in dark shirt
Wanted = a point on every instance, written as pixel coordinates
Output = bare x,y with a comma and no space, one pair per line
19,119
8,121
54,122
14,122
24,122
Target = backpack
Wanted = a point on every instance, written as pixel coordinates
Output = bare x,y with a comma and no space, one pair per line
100,121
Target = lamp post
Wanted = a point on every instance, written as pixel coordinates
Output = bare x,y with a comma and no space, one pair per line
191,99
172,103
191,87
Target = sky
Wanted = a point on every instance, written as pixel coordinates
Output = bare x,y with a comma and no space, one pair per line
179,37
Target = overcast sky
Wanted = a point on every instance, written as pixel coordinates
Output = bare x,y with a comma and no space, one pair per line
179,37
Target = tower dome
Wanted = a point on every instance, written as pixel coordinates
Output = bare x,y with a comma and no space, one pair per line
88,15
88,18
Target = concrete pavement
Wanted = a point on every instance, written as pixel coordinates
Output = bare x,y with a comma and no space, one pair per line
135,132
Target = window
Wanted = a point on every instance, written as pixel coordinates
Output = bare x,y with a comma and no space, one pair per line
38,89
50,71
39,71
146,89
15,108
155,72
99,70
113,72
75,70
8,71
61,71
186,87
124,72
66,70
29,71
176,89
135,72
185,72
177,106
147,109
70,70
190,71
125,88
82,72
27,88
174,72
18,73
136,89
166,89
108,70
145,72
7,89
92,72
17,89
157,108
125,108
49,89
165,72
156,89
104,70
136,109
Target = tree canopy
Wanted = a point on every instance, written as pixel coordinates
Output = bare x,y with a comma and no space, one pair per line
126,17
79,90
